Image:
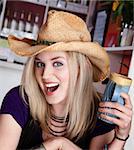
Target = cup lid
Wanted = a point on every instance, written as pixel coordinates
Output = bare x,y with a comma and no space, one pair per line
120,79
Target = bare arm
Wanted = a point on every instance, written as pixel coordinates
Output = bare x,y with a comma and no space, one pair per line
123,120
60,143
10,132
98,142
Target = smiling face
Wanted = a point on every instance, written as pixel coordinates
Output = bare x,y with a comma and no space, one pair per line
52,74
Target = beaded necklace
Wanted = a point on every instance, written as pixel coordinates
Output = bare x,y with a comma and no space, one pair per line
57,125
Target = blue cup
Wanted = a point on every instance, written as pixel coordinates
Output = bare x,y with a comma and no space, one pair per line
116,85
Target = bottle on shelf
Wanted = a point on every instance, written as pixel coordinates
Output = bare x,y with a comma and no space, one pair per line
21,24
130,35
121,33
6,25
28,26
6,21
36,26
84,2
133,41
124,35
14,22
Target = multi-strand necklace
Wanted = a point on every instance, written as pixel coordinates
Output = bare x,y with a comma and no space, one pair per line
57,125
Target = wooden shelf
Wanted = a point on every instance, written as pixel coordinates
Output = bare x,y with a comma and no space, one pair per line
39,2
124,48
62,5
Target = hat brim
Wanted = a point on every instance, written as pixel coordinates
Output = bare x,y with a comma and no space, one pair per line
96,53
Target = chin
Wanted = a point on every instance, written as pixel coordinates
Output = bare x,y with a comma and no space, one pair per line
54,101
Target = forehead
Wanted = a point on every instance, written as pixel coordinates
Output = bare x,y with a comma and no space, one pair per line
50,55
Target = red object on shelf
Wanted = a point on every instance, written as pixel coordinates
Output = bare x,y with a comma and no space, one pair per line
113,33
125,63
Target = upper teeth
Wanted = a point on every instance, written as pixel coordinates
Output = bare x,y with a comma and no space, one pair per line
51,85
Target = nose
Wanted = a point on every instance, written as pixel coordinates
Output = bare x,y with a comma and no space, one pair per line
47,72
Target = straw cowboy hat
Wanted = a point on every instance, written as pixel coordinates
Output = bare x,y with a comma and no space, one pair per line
64,32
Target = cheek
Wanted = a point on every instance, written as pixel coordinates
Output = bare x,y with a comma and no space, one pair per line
39,80
38,75
64,77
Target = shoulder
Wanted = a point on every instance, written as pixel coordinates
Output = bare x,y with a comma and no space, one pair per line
13,99
13,93
14,105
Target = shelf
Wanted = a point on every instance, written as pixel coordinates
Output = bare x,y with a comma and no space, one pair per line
65,6
124,48
39,2
10,65
6,32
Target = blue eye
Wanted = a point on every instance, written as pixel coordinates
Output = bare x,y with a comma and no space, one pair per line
57,64
39,64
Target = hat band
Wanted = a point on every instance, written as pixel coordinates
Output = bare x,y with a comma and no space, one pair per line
42,42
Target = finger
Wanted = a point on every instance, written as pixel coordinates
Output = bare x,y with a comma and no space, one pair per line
116,113
127,100
119,122
116,105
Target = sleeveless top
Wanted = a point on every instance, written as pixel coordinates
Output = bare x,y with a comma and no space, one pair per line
31,135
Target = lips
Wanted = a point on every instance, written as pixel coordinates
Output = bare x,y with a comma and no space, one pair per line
52,87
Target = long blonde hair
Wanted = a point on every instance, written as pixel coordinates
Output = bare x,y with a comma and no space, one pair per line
82,97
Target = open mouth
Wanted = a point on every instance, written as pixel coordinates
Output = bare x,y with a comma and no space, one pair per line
52,87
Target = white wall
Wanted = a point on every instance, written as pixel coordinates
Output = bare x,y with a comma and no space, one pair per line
10,76
130,142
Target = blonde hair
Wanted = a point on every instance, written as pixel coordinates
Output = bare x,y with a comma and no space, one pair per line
82,98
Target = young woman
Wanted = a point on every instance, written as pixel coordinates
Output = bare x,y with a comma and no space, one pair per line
56,105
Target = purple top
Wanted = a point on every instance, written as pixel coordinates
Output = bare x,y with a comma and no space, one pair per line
14,105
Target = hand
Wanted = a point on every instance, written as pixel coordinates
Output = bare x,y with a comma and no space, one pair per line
53,144
123,113
68,145
60,143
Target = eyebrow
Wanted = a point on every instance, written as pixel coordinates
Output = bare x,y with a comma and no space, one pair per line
36,58
57,57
